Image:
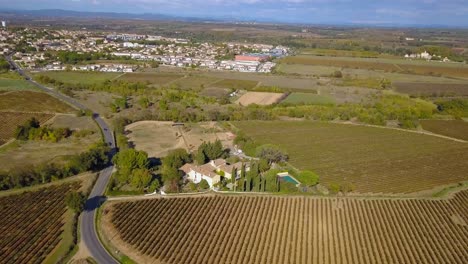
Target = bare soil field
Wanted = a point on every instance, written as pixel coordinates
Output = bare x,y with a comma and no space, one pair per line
452,128
28,101
157,138
374,160
260,98
432,89
9,121
266,229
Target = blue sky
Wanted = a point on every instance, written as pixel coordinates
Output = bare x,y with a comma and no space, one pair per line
404,12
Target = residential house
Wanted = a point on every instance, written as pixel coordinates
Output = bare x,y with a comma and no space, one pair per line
211,171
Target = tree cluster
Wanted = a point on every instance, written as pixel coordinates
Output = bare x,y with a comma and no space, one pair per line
209,151
171,175
75,201
4,65
133,169
31,130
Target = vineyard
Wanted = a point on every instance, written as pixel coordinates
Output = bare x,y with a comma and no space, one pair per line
9,121
28,101
228,229
372,159
432,89
31,224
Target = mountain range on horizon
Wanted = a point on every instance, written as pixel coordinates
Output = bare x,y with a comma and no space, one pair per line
61,13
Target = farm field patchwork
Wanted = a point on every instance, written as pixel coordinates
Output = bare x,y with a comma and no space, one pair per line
372,159
452,128
152,78
432,89
260,98
9,121
254,229
28,101
78,77
417,67
308,98
32,223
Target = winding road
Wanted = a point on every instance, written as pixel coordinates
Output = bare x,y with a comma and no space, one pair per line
88,224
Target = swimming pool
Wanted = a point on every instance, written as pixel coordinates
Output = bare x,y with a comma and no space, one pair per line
286,177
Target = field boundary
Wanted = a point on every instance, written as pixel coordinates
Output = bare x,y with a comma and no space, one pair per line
404,130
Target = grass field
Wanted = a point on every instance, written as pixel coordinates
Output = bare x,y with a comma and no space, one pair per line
157,138
432,89
412,67
28,101
235,84
372,159
80,77
340,53
32,223
240,229
309,98
152,78
15,85
452,128
29,154
215,92
195,82
9,121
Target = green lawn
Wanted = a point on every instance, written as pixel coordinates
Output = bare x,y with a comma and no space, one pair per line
309,98
372,159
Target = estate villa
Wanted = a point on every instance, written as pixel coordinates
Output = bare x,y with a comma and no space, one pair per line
212,171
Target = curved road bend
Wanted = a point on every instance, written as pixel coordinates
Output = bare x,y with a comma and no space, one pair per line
88,228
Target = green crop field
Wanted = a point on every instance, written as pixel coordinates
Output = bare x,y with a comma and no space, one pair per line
80,77
15,85
235,84
372,159
309,98
152,78
28,101
450,128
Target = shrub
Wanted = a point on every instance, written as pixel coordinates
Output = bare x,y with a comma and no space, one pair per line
204,184
75,201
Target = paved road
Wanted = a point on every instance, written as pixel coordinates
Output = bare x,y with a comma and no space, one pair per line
88,228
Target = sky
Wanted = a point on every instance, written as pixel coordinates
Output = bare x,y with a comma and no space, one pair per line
367,12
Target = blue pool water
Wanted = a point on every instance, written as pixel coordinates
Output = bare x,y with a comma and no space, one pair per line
289,179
